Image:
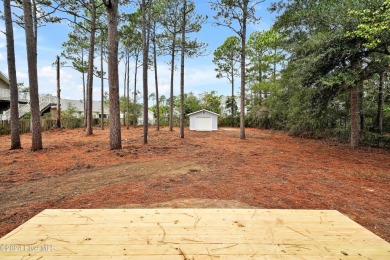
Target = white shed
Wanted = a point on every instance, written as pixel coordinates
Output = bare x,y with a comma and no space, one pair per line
203,120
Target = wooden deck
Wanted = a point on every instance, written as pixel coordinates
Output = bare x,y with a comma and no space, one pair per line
192,234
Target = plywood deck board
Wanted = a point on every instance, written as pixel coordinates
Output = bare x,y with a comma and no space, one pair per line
193,233
179,257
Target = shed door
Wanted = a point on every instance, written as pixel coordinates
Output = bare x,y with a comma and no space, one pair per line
204,124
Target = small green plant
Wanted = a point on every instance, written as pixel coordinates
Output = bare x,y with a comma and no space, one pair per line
27,115
69,112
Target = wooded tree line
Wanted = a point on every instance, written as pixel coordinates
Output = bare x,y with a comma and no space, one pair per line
334,68
319,67
322,67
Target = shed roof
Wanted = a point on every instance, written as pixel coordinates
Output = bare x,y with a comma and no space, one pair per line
201,111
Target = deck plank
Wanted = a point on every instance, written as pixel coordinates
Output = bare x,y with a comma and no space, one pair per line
192,234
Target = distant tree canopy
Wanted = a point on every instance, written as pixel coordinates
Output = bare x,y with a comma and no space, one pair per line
227,57
320,69
207,100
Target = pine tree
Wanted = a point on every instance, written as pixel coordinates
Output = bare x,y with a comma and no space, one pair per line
242,12
113,77
32,76
14,120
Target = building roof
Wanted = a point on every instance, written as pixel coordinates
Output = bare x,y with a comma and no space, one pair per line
4,77
78,105
202,111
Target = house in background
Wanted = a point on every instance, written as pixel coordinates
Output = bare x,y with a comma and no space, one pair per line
77,107
4,93
48,104
5,112
4,81
203,120
227,111
151,119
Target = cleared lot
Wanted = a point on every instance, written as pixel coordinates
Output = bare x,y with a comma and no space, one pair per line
206,169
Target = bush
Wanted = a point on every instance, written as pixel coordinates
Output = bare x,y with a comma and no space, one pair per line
376,140
71,123
229,121
27,116
96,121
4,128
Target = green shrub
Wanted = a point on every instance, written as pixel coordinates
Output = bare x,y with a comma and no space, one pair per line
27,115
229,121
375,139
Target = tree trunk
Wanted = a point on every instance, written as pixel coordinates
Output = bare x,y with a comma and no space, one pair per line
135,92
145,71
243,52
84,96
128,92
89,130
113,76
232,101
124,84
274,76
14,96
102,87
58,94
156,78
172,74
35,25
361,109
259,92
379,115
33,78
183,39
355,126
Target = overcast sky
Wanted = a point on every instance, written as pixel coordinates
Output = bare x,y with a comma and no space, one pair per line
199,72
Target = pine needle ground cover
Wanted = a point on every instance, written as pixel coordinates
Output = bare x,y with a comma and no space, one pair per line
269,170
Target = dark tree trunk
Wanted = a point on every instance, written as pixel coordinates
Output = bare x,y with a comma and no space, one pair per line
183,39
355,126
145,56
89,129
379,115
58,94
124,84
361,109
172,75
135,92
33,78
102,87
84,94
113,77
128,92
259,92
35,24
156,78
274,76
243,54
232,101
14,96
